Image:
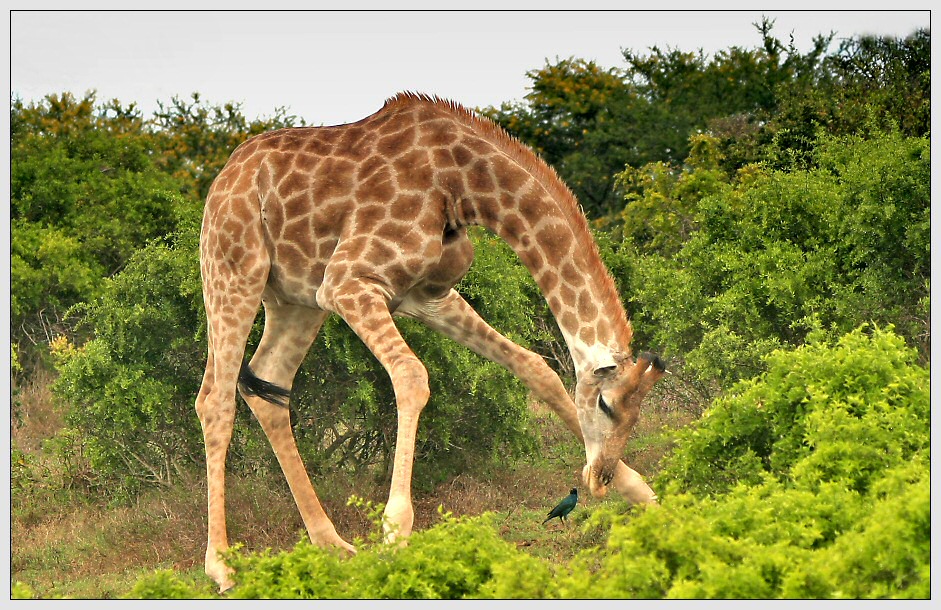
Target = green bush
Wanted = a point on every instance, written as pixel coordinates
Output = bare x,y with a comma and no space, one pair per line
451,560
165,584
811,481
820,414
85,193
772,256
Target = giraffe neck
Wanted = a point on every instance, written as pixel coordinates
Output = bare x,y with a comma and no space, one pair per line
552,238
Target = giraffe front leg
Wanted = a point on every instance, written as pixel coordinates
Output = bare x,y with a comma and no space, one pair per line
366,311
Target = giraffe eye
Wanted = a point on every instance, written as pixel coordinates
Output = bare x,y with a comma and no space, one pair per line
604,406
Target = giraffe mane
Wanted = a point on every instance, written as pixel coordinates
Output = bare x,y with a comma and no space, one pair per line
546,175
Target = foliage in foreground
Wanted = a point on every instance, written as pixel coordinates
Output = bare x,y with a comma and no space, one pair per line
834,504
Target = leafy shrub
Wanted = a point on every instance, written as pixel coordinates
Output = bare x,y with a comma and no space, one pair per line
165,584
130,389
820,414
451,560
811,480
85,193
772,255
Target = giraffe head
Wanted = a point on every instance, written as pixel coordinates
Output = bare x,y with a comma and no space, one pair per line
608,402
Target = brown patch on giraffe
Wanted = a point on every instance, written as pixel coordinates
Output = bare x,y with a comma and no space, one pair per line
508,201
571,275
443,158
234,228
325,248
568,320
371,166
510,177
427,113
407,207
567,295
462,155
364,300
587,310
242,213
413,171
548,281
437,133
479,146
280,162
335,179
252,240
330,135
235,254
221,183
452,181
244,182
293,183
247,148
317,147
431,222
330,216
345,302
393,145
378,188
533,206
355,143
403,235
398,275
296,206
299,232
394,123
306,163
556,242
587,335
533,260
479,178
513,226
372,324
290,256
379,252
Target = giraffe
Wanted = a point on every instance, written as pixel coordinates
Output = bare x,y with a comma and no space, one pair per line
368,220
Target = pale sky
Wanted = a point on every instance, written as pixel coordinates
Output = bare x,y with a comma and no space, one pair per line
336,67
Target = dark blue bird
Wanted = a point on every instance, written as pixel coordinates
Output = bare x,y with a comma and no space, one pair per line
564,507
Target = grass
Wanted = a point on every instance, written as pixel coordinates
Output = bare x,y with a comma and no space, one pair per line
65,545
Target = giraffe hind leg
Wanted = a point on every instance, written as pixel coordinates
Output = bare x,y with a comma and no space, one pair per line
215,403
289,332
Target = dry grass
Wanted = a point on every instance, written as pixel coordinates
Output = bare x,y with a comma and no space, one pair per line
38,417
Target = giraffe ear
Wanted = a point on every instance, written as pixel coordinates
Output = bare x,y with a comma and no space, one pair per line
606,367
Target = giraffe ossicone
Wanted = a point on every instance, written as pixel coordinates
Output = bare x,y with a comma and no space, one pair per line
368,221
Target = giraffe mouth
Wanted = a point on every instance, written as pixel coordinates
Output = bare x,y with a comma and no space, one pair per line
597,478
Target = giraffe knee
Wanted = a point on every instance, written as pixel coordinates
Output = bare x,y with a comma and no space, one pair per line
410,381
542,380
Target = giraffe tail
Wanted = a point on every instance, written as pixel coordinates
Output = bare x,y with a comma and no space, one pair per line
251,385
